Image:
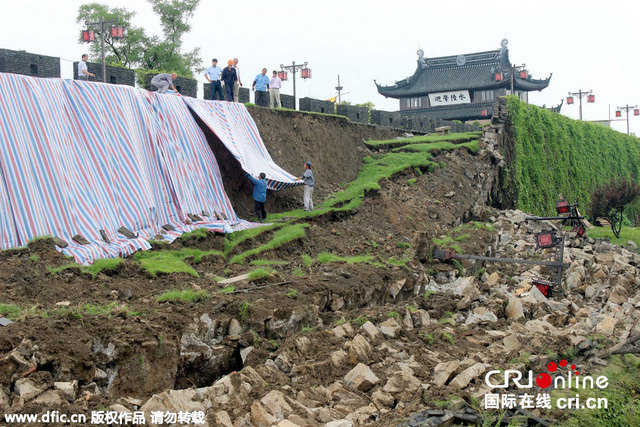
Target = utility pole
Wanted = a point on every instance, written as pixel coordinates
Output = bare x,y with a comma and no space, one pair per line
339,88
99,27
580,94
294,68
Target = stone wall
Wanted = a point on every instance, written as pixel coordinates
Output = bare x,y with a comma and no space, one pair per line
29,64
317,106
355,114
115,75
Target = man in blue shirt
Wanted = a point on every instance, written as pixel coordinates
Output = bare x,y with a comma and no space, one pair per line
259,195
261,87
213,76
229,77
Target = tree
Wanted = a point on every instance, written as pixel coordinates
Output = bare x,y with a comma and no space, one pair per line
137,49
609,201
369,105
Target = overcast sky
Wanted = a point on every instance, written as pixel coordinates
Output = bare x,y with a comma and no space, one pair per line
585,44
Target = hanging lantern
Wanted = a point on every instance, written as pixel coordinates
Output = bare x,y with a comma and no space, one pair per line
636,112
483,113
88,36
499,77
562,207
569,100
282,75
591,98
524,74
305,73
117,32
546,239
618,113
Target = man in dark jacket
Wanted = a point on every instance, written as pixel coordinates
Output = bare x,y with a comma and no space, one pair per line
229,79
259,195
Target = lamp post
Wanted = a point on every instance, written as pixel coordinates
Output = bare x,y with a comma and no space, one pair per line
590,98
626,108
305,74
88,36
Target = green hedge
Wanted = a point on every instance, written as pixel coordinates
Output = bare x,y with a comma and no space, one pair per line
555,154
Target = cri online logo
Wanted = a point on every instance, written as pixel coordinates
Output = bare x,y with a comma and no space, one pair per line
544,380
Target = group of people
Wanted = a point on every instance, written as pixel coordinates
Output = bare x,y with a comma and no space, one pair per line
260,191
267,90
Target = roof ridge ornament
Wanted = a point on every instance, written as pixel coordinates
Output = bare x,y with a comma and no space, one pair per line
423,63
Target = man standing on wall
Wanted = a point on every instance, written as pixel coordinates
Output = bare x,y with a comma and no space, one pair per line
261,87
83,71
236,87
274,90
164,81
229,78
213,76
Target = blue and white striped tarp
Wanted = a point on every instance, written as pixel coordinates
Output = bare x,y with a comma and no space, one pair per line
79,157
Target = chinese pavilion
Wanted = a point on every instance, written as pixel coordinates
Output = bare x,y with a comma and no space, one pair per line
462,87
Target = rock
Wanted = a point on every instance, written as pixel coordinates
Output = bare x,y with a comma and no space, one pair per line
465,377
339,423
91,389
283,362
443,371
235,328
276,403
173,401
63,303
396,287
466,287
618,295
338,358
343,331
371,330
49,398
364,415
407,321
244,353
287,423
28,389
534,296
404,381
511,343
390,327
261,416
606,326
631,246
493,279
303,344
361,347
116,407
573,280
480,315
421,318
361,377
69,389
383,398
4,399
100,375
514,309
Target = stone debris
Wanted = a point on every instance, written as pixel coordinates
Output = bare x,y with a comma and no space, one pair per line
361,377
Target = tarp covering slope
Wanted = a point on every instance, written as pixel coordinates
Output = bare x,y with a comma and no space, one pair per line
234,126
78,157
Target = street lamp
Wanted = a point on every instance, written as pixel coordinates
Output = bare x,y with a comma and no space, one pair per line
306,74
590,98
627,108
88,36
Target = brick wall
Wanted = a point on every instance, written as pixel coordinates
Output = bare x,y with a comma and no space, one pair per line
355,114
115,75
30,64
317,106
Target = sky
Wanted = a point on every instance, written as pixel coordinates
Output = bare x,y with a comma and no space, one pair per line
587,45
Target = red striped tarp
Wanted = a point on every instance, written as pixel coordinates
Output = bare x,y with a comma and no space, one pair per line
79,157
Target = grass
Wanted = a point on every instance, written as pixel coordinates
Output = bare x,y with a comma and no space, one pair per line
447,336
197,234
307,260
227,290
108,310
234,239
292,293
326,257
261,273
298,272
393,314
245,308
403,245
412,308
626,234
427,338
155,262
186,295
451,137
99,265
473,147
361,320
307,329
268,262
12,312
427,294
412,181
286,234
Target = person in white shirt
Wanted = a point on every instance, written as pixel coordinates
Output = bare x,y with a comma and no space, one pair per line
83,71
238,84
212,74
274,90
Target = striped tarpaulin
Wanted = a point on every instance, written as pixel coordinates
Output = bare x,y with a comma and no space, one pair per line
234,126
78,157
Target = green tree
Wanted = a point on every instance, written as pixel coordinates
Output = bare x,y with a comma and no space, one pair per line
369,105
139,50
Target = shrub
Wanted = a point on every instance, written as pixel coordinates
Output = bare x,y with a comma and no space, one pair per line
610,199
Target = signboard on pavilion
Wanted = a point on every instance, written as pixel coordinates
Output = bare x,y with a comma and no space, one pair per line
449,98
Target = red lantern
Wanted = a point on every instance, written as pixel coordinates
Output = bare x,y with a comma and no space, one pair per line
569,100
545,287
524,74
636,112
618,113
117,32
305,73
546,239
88,36
591,98
562,207
282,75
483,112
498,77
